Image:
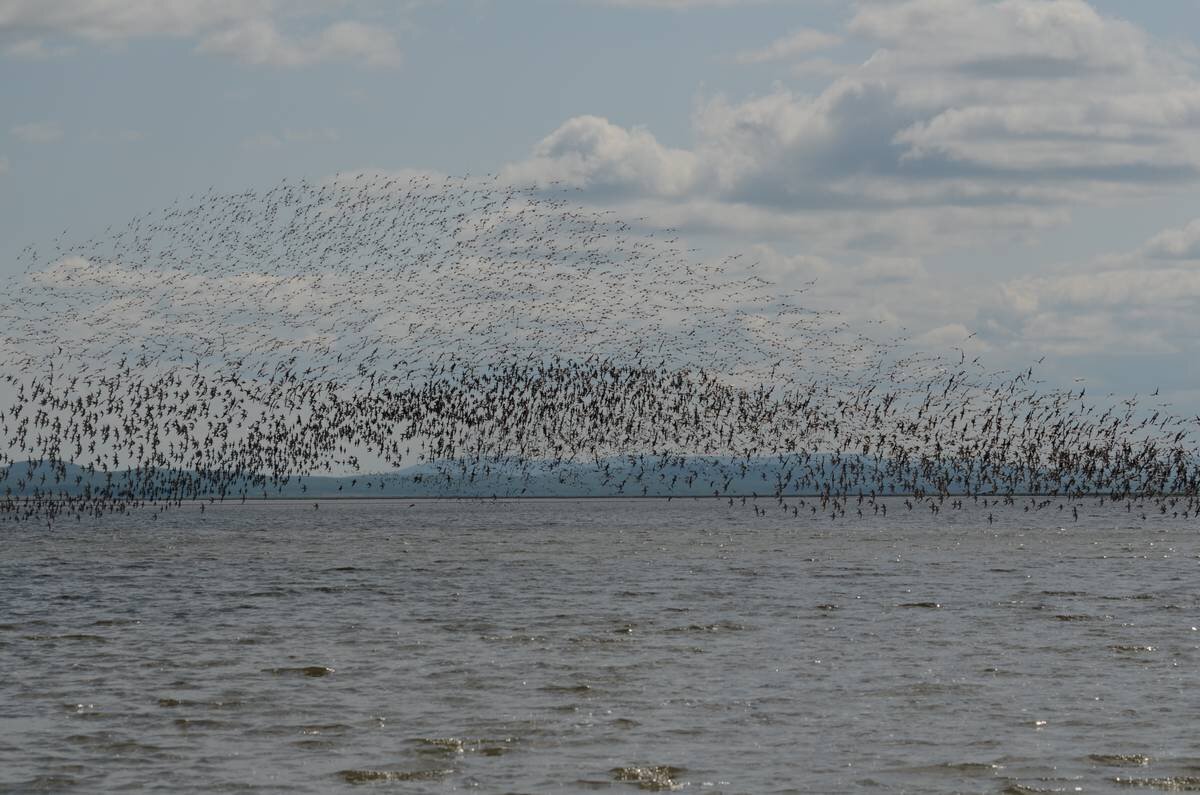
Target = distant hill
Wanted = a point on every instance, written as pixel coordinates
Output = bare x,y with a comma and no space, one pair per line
609,477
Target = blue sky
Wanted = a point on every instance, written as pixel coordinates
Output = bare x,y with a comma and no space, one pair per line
1027,170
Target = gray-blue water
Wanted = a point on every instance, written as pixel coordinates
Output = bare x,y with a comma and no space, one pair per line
611,645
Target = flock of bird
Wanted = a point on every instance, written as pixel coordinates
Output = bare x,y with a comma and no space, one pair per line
226,345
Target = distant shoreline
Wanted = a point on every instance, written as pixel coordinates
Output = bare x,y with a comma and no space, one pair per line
237,499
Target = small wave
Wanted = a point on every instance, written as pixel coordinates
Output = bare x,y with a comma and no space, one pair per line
306,670
175,702
720,626
325,728
972,767
596,640
49,783
923,689
655,778
581,688
114,744
374,776
484,746
1121,760
187,724
1165,783
513,638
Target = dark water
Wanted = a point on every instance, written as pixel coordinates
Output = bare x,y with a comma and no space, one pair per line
573,646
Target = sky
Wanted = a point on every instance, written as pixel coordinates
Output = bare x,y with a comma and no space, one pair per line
1017,178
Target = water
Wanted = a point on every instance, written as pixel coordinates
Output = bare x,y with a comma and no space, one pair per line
623,646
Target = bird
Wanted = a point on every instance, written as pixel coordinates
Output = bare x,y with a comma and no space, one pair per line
491,338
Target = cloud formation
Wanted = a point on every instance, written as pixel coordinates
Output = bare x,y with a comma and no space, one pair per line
248,30
1175,244
593,152
261,42
971,126
39,132
1142,301
970,118
798,42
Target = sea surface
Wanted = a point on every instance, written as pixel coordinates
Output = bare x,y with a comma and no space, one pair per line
546,646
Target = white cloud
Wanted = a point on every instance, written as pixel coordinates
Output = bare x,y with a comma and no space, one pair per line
1182,243
798,42
973,125
972,121
819,67
951,336
33,50
248,30
589,151
1143,301
261,42
789,269
892,270
110,20
41,132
